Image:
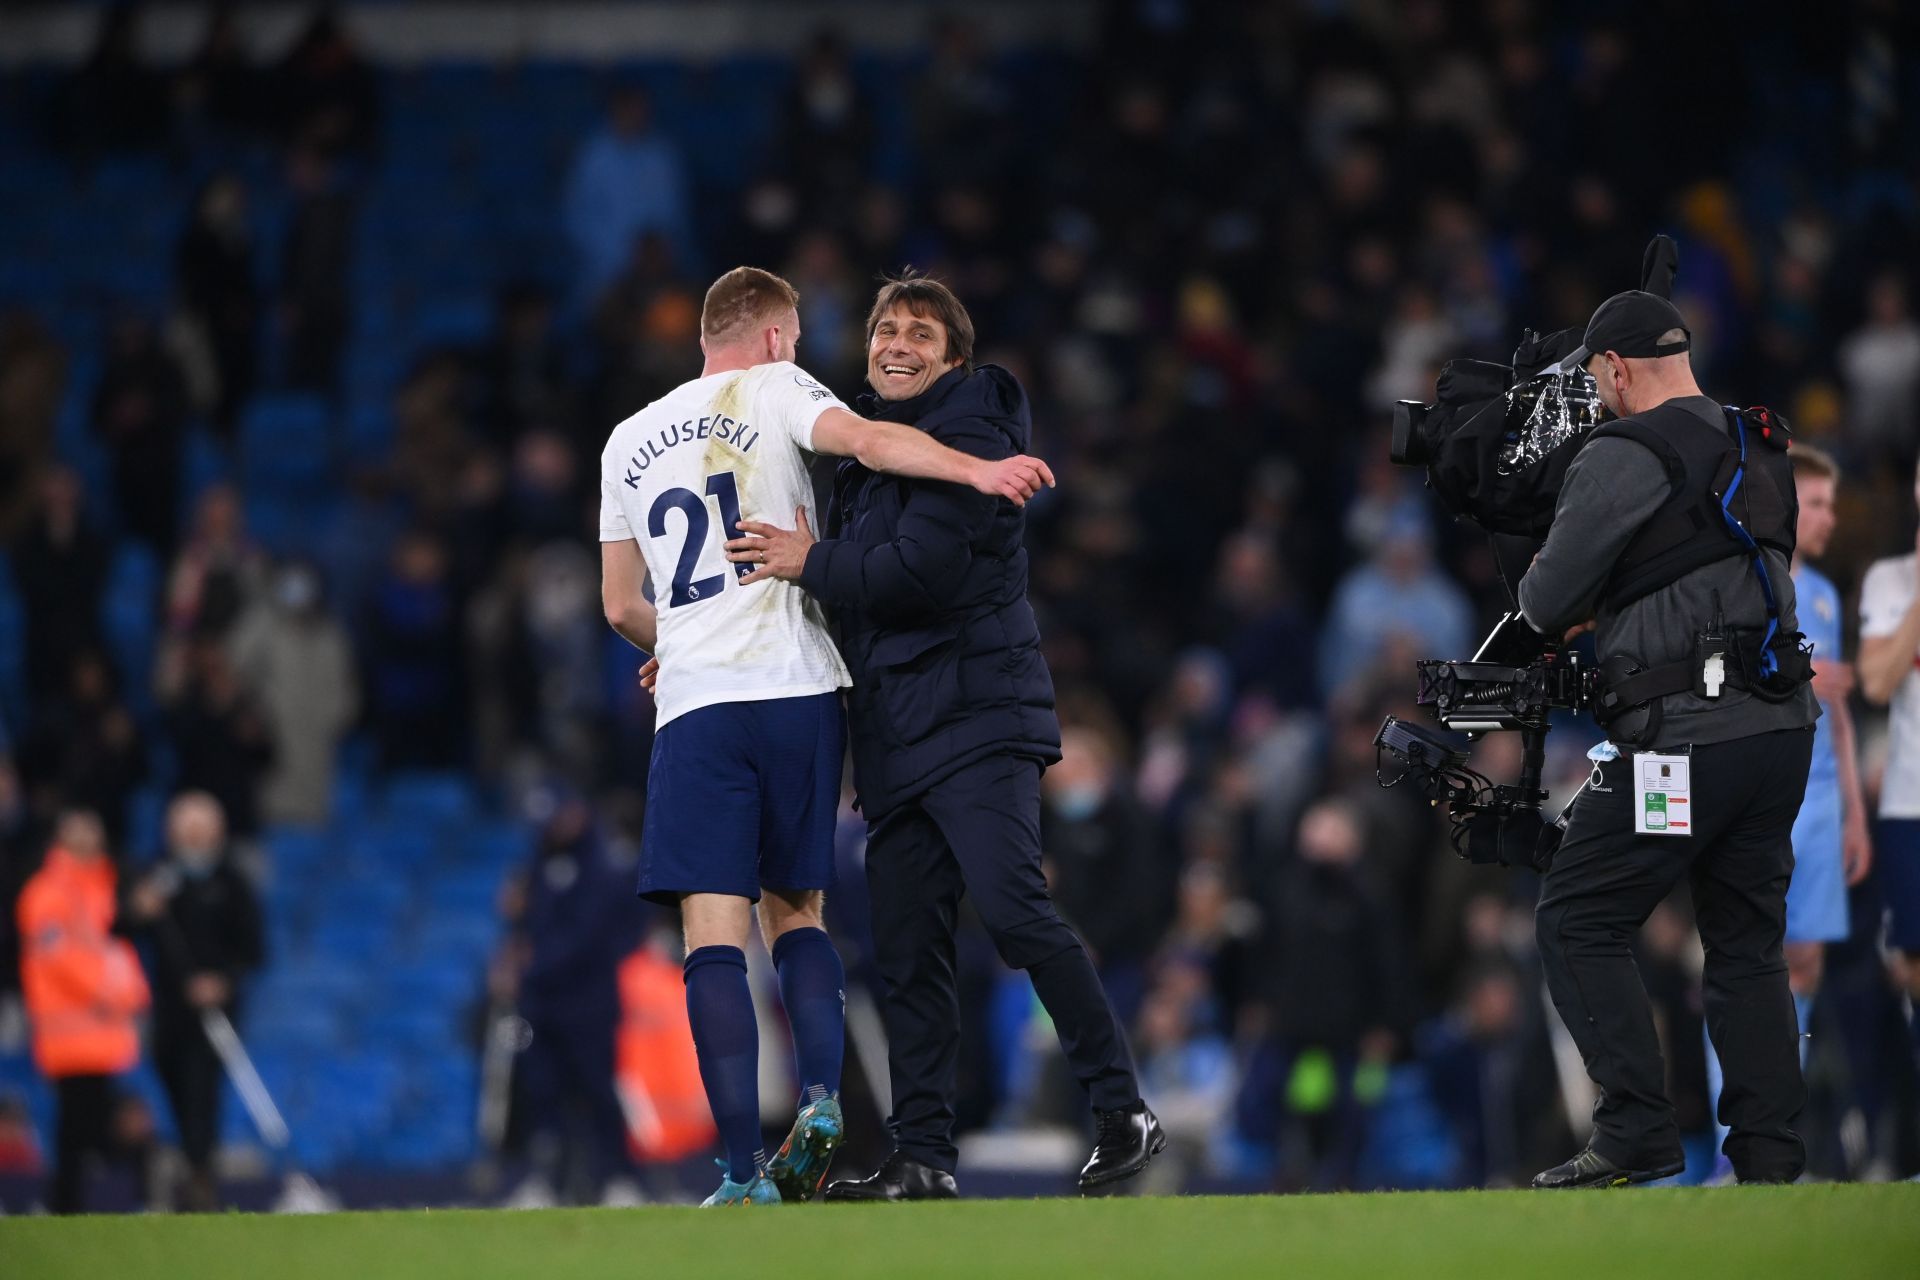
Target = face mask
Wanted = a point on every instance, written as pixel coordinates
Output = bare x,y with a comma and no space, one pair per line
1076,802
196,863
829,99
297,591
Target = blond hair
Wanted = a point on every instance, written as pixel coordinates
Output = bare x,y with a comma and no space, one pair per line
744,298
1812,460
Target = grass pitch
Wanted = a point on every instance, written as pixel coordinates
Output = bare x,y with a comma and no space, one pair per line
1738,1232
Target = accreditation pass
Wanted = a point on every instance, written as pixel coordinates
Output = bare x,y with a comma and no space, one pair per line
1662,795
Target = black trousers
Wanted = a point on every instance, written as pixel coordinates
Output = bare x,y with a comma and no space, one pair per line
191,1072
566,1082
1604,883
978,833
84,1129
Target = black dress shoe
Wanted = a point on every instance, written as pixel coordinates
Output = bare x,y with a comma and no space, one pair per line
899,1177
1129,1138
1591,1169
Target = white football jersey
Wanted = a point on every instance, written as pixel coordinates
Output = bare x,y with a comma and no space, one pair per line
676,476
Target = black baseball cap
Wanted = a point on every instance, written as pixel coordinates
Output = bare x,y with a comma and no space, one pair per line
1631,324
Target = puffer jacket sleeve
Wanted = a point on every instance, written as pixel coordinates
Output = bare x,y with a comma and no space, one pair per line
915,574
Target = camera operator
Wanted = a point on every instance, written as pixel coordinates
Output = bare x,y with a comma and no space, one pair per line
1703,693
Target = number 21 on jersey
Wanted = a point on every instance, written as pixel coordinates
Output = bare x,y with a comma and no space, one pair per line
693,508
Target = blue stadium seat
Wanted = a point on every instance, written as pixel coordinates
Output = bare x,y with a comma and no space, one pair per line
293,1025
457,938
296,851
375,898
409,1028
286,443
389,847
467,891
352,944
296,986
439,799
496,846
203,464
130,616
453,322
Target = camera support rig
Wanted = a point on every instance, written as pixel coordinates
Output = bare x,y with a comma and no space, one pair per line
1513,683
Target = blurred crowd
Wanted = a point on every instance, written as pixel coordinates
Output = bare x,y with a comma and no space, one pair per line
1216,246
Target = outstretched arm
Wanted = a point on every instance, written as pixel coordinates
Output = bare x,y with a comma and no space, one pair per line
901,450
913,574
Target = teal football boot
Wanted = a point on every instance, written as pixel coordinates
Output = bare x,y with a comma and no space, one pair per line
758,1190
800,1166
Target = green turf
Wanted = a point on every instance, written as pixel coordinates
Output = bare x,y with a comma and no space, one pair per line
1809,1231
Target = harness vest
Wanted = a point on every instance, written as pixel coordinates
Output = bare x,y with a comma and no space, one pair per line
1732,496
1710,483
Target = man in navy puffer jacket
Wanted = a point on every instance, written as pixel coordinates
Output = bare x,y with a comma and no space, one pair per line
952,720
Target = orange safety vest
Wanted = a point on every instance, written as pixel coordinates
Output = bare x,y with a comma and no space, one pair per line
84,988
655,1070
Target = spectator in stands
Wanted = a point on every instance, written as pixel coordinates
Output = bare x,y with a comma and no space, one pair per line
316,268
140,415
1881,363
1101,862
962,111
646,318
324,92
60,568
115,102
1186,1058
579,920
1334,982
827,133
84,993
32,373
1399,594
220,87
1268,636
296,663
626,181
523,371
203,924
214,579
433,438
544,494
84,747
831,294
564,646
220,736
219,299
415,685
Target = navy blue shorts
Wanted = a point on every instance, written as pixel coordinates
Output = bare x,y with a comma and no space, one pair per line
1896,860
743,795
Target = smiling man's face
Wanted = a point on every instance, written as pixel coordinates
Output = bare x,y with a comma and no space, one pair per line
906,354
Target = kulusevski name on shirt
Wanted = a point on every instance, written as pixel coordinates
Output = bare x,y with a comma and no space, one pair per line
718,426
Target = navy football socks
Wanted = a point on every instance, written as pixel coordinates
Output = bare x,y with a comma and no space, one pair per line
813,988
720,1007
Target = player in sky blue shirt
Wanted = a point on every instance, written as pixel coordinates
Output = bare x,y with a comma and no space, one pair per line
1831,849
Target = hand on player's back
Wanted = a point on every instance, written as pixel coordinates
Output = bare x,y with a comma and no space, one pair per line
774,552
1016,479
650,674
